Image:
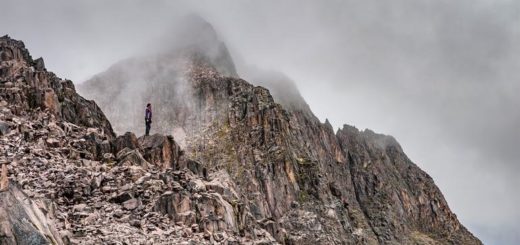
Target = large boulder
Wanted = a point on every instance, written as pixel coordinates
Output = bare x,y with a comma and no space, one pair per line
132,158
160,150
128,140
22,220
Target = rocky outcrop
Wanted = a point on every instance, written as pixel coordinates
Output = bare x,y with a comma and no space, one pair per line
161,150
281,87
395,195
128,140
26,83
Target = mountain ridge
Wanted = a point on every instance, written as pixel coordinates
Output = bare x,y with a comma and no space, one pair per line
249,171
281,156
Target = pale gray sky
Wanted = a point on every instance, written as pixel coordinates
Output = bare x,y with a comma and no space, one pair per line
441,76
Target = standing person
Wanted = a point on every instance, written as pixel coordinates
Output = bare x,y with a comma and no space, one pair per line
148,118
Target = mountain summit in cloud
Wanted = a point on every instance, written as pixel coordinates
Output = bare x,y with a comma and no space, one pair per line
292,175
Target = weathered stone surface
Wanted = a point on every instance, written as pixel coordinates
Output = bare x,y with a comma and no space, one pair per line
251,171
196,168
4,128
128,140
132,157
160,150
4,181
28,85
23,222
121,197
131,204
304,182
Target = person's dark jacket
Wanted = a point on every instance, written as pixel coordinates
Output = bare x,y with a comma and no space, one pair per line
148,115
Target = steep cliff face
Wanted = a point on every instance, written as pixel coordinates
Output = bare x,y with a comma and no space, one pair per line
294,176
73,181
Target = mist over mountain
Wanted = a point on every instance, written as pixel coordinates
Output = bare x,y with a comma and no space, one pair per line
160,77
310,184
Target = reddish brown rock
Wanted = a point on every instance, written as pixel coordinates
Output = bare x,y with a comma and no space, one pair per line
4,181
160,150
50,101
22,221
26,84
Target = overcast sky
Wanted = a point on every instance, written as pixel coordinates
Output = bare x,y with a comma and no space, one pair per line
442,76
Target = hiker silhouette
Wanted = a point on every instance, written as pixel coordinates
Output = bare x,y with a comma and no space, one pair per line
148,118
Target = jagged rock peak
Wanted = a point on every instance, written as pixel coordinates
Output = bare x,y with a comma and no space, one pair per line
381,141
26,84
11,49
283,88
196,39
195,28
